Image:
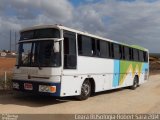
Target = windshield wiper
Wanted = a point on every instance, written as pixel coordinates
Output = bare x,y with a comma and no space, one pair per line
40,68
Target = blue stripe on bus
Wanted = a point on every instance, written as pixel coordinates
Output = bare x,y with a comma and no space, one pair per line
116,73
145,66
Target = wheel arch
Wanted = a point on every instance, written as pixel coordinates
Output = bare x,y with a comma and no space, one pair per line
136,76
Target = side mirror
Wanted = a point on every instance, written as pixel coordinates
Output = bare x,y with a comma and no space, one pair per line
56,47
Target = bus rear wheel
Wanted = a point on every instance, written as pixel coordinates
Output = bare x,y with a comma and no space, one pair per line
135,83
85,90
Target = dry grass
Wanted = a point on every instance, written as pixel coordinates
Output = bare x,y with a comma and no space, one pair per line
7,85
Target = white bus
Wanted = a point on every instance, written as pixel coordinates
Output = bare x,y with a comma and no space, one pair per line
59,61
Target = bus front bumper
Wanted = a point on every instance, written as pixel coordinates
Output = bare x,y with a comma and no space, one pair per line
52,89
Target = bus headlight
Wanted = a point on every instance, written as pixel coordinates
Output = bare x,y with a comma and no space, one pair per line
15,85
45,88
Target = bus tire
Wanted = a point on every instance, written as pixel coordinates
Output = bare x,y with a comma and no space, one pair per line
85,90
135,83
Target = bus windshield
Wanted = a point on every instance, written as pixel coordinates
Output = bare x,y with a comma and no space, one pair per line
39,54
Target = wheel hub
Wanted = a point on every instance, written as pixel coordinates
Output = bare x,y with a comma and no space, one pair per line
85,89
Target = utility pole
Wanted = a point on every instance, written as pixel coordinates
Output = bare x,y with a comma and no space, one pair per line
10,41
15,42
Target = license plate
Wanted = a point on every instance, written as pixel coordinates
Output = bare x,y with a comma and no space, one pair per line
28,86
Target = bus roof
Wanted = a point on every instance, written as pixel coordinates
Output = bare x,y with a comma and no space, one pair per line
81,32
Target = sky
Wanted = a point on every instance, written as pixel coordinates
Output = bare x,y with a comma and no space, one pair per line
129,21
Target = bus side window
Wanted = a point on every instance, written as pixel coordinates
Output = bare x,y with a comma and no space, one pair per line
70,57
130,54
145,55
141,57
126,53
79,44
84,45
135,55
116,49
93,47
98,48
104,49
121,52
111,51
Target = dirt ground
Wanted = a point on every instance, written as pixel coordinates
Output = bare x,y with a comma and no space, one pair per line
154,67
145,99
6,64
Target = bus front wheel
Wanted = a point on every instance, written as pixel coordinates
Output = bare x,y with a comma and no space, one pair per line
85,90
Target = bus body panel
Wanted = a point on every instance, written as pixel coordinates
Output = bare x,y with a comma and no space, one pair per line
71,85
35,77
88,67
35,87
122,75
